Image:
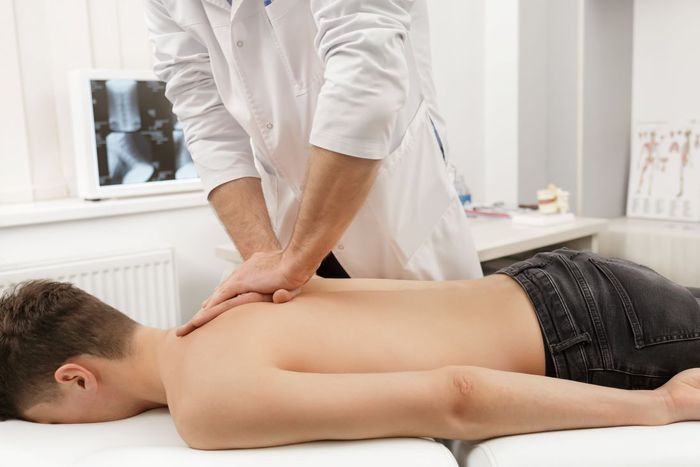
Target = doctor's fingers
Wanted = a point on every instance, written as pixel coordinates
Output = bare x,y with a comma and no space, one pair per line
220,285
203,316
227,290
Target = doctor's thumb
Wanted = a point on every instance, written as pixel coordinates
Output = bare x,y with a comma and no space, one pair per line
283,295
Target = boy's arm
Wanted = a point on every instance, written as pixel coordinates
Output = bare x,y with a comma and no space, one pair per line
283,407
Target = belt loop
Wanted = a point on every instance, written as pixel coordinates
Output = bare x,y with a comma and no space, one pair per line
570,342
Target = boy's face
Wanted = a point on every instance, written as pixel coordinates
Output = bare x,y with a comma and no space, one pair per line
68,411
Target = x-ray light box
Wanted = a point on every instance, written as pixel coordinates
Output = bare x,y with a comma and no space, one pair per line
128,142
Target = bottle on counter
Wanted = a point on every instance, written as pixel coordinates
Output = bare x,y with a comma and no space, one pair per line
465,196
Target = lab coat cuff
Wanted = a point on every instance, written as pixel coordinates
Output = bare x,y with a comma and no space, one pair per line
365,149
212,179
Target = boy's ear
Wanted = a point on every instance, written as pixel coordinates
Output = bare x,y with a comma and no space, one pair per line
76,376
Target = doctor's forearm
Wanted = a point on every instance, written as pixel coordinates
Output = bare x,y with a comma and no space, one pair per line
336,187
240,205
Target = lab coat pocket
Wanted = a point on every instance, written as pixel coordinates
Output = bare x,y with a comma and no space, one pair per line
412,191
187,14
294,29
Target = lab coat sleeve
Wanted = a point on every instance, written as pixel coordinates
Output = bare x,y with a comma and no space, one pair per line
362,46
219,146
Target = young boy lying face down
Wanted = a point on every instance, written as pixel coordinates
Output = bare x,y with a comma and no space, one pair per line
355,359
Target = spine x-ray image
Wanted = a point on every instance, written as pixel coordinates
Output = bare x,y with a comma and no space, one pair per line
138,138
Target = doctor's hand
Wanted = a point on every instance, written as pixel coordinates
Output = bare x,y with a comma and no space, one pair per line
263,277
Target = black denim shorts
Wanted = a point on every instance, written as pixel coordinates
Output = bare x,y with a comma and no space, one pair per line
610,321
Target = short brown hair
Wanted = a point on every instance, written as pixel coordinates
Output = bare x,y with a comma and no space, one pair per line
42,325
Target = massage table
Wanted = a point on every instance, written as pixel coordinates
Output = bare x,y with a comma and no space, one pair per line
676,445
150,440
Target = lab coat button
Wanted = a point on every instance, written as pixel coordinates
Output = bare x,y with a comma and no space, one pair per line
341,247
239,43
269,126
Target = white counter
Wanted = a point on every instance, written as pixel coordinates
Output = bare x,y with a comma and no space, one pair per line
497,238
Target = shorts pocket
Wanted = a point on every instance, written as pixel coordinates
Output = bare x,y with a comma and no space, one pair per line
658,310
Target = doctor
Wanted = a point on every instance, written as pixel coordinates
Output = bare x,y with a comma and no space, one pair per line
328,108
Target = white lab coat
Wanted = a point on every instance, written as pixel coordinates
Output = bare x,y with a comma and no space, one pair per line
255,86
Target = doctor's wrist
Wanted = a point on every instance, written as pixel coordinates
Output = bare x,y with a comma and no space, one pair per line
296,267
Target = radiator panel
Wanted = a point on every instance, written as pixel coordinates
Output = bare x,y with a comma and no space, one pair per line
141,284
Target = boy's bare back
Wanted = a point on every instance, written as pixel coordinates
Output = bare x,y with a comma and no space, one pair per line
350,327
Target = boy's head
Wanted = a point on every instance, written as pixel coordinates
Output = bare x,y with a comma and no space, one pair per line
49,334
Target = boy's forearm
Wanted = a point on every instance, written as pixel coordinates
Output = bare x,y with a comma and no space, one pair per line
497,403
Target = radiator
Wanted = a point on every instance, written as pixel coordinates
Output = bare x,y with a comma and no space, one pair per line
670,248
141,284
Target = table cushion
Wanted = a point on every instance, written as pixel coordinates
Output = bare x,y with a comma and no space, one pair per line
404,452
677,445
151,439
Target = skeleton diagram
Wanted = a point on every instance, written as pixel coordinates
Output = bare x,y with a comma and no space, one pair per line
648,156
685,160
674,148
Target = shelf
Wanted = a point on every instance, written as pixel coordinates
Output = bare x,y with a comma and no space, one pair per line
72,209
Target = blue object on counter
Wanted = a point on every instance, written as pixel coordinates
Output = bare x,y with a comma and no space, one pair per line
465,199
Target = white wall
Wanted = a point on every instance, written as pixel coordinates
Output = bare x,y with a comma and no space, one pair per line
501,100
666,60
458,50
193,232
607,102
639,63
41,41
475,60
506,76
575,88
547,95
533,96
15,170
562,98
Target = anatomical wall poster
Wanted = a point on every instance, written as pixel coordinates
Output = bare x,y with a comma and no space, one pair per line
664,180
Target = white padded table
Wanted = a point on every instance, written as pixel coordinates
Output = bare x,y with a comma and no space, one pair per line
676,445
150,439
